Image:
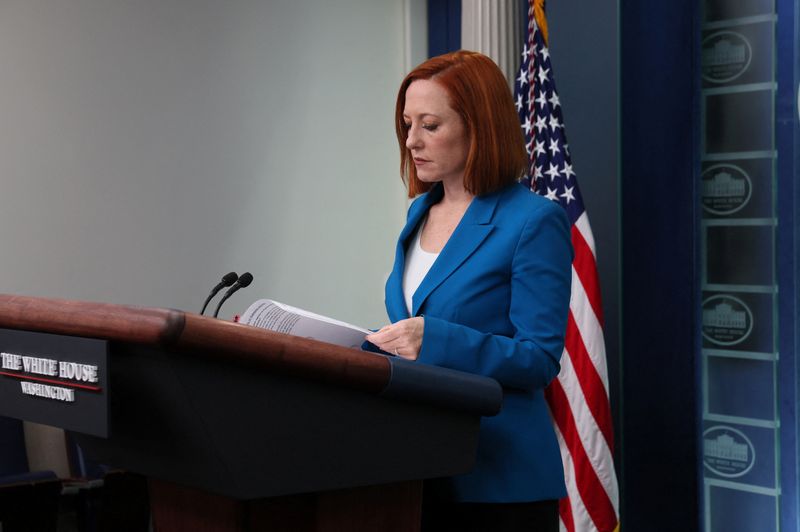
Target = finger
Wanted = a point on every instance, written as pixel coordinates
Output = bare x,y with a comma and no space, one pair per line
383,337
393,349
406,354
392,346
384,328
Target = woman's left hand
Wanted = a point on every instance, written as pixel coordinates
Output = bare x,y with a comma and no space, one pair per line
403,338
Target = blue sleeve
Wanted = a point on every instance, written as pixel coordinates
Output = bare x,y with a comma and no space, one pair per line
541,274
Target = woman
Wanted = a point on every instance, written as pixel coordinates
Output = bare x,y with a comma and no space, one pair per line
481,283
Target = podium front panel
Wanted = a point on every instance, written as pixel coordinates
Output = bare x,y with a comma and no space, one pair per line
248,433
55,380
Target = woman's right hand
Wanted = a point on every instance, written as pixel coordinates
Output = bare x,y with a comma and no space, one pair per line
403,338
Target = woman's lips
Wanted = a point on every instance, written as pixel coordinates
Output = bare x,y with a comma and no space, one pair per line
420,162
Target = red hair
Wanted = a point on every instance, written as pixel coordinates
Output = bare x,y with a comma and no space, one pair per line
479,93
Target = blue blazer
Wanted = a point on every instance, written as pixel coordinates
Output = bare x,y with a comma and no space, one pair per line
495,303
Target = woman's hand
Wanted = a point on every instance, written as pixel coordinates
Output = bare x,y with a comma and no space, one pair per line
403,338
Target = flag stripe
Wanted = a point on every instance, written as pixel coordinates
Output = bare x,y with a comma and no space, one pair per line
585,264
590,382
592,492
565,512
592,439
571,509
590,329
582,223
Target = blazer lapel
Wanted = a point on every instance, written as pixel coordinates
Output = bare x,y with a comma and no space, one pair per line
473,229
395,300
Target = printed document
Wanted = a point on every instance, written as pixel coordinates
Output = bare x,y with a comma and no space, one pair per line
279,317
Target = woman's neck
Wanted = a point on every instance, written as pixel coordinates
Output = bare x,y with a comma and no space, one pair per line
455,194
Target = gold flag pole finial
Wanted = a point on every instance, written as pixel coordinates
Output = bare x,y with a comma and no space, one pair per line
541,20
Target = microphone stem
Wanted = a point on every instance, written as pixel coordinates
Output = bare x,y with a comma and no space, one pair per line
208,300
221,301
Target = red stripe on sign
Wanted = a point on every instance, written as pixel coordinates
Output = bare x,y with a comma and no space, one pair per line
589,380
592,492
51,381
586,267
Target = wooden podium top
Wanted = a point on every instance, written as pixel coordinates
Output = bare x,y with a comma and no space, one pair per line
244,345
201,335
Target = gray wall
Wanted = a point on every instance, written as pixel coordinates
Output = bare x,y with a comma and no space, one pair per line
584,49
148,147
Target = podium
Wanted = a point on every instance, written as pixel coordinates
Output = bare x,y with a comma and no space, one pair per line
239,428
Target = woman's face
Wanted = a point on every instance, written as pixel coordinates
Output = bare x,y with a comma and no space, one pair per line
437,137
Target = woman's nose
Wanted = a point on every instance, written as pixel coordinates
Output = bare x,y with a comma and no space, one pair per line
413,139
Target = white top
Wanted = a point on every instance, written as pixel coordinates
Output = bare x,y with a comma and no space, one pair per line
418,262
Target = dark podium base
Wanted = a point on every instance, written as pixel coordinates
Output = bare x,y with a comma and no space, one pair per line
29,506
389,508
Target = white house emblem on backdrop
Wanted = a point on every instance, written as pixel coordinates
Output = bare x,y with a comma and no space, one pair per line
726,320
727,452
726,56
726,189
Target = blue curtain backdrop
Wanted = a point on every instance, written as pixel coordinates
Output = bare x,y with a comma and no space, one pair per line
788,169
444,26
660,286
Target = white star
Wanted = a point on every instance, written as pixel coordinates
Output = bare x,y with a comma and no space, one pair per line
554,123
551,194
518,103
543,75
537,172
545,53
539,149
567,195
553,147
527,125
554,101
568,170
541,100
525,53
566,149
541,124
529,147
523,77
553,171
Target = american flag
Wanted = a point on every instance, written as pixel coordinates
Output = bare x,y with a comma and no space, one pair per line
578,397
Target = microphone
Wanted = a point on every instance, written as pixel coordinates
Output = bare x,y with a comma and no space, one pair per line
244,280
227,280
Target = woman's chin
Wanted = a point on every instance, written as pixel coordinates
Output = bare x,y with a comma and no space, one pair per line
428,178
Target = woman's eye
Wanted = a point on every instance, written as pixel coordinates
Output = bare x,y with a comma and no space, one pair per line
430,127
407,125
